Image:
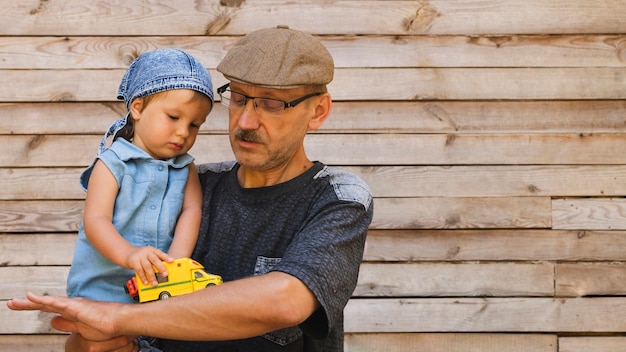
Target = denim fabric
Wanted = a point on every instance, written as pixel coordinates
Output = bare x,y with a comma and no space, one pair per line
145,344
159,71
146,209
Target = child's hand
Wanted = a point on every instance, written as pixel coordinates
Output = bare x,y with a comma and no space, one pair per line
141,259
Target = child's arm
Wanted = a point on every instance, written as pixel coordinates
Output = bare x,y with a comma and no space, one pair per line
188,224
99,229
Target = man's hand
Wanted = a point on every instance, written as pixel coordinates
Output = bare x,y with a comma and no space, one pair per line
91,319
77,343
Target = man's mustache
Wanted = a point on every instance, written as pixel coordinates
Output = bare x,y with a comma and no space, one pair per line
248,136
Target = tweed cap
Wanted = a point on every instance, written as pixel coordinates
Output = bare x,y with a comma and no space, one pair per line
279,58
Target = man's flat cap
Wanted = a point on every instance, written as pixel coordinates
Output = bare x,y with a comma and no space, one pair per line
279,58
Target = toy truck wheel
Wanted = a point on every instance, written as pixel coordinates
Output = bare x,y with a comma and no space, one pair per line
209,285
164,295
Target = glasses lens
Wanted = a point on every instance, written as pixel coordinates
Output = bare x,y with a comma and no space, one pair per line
270,106
263,106
237,100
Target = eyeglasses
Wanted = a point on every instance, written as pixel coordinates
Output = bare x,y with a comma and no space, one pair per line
263,106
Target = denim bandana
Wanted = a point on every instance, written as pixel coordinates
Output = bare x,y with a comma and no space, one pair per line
154,72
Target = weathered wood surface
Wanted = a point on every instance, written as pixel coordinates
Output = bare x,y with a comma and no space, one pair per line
451,342
519,314
398,84
591,279
495,245
459,279
595,344
589,213
29,249
17,281
456,117
234,17
347,51
32,343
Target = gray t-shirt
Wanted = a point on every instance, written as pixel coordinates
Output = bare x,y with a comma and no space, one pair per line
312,227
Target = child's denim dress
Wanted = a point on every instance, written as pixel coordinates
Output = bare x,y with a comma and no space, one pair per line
146,209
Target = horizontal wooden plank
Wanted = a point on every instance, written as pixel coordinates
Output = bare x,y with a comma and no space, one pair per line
99,52
348,149
491,181
395,84
598,314
72,118
495,245
407,149
16,281
32,343
24,322
589,213
29,249
67,85
457,117
529,212
452,342
590,279
386,181
40,216
478,83
378,17
455,280
592,343
79,150
459,213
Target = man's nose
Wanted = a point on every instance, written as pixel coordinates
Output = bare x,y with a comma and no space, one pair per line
249,117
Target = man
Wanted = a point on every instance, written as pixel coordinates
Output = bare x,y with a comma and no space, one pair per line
286,233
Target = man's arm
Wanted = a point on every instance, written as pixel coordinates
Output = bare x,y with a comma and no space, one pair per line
234,310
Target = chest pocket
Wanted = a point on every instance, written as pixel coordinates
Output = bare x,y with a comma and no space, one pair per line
285,336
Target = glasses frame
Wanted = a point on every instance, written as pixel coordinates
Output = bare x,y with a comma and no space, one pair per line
286,104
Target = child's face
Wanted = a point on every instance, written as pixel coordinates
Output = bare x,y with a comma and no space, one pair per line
168,125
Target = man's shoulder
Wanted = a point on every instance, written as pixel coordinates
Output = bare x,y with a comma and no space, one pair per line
347,185
216,168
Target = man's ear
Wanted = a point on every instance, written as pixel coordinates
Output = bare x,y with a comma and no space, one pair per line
322,110
136,107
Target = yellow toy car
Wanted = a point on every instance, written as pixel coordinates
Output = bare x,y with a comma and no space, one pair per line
185,275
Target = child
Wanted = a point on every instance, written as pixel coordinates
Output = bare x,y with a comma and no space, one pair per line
143,193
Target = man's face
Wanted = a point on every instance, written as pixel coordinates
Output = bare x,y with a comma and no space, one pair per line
267,143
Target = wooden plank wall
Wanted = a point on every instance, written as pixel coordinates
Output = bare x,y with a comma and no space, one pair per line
491,132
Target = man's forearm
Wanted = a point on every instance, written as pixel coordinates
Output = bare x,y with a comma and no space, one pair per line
233,310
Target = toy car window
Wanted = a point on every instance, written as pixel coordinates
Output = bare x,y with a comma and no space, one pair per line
160,278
